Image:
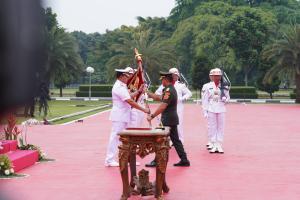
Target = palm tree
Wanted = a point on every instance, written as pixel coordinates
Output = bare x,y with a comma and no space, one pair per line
285,52
63,60
157,55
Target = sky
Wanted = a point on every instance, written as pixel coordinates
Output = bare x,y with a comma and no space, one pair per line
100,15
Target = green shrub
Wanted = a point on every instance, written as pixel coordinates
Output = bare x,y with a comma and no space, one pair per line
93,94
95,88
242,89
243,96
5,166
293,95
101,90
242,92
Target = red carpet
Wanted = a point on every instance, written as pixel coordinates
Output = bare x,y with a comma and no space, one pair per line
261,159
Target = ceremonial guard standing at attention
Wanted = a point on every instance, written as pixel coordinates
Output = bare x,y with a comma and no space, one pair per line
205,113
213,103
168,110
120,114
183,94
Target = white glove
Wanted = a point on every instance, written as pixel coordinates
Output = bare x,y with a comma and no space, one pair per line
224,99
205,114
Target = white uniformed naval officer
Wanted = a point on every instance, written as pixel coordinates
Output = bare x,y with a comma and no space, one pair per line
214,109
205,113
120,114
183,94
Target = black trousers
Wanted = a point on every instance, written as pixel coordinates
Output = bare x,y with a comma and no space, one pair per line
177,143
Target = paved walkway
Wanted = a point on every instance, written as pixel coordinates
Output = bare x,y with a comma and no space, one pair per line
261,159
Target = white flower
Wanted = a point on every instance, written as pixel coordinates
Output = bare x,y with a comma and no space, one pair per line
30,122
2,163
12,170
7,172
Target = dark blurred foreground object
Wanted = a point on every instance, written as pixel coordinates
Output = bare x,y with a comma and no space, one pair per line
21,52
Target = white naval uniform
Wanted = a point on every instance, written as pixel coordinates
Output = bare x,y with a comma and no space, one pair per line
120,117
215,108
137,116
205,112
183,94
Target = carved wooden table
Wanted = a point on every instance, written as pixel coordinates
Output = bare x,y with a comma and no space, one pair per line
142,142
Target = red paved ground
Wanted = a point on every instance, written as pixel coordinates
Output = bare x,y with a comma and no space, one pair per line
261,160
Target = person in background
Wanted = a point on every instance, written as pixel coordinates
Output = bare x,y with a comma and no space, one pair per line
183,94
205,113
213,104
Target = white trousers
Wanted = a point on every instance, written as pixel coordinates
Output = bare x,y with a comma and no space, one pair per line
216,127
136,118
112,148
180,108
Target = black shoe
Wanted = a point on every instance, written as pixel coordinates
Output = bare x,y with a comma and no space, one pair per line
182,164
151,164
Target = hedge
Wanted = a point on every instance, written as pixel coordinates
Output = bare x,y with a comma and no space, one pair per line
243,92
243,96
96,88
93,94
242,89
106,88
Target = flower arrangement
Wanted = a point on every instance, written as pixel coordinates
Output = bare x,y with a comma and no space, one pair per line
42,155
23,137
5,166
11,131
31,122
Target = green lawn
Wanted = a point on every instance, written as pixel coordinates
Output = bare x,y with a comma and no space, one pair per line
62,108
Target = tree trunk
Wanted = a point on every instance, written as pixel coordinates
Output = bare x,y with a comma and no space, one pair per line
297,88
271,95
60,91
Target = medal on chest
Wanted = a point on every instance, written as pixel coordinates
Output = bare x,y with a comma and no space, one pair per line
216,93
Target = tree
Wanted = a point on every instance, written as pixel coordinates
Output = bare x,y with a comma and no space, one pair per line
248,30
63,60
269,87
157,54
285,52
200,73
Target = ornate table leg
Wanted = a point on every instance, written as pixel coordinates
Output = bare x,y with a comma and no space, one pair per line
123,161
162,160
132,163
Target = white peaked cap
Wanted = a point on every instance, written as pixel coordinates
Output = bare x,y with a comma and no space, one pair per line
216,72
129,70
174,71
121,70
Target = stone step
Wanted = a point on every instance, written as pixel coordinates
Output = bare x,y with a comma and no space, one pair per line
8,145
23,158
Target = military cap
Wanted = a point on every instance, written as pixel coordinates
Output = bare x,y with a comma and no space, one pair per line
216,72
121,70
165,75
174,71
129,70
